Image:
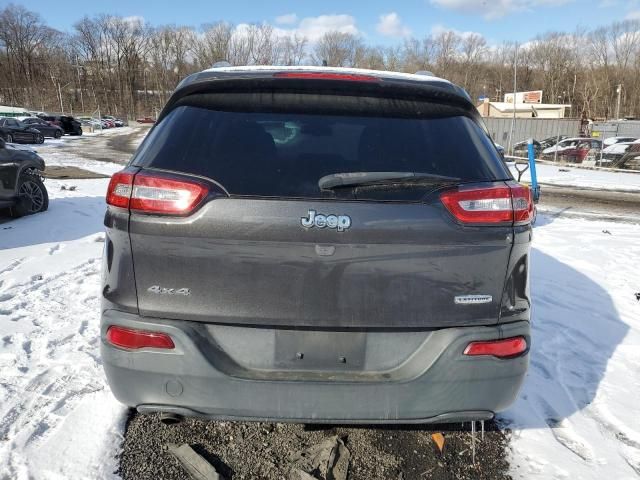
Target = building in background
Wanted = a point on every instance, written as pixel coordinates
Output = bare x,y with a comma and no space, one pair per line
526,105
12,111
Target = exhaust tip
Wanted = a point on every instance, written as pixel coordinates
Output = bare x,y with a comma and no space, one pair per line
168,418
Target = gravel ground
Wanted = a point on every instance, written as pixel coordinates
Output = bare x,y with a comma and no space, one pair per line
246,450
598,202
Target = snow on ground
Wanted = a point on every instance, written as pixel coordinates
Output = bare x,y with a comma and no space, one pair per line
58,419
72,151
65,158
582,177
578,414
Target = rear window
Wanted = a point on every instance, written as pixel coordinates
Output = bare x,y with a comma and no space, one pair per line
285,153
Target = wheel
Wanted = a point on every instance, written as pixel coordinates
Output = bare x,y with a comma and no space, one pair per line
32,196
57,134
9,138
79,131
39,138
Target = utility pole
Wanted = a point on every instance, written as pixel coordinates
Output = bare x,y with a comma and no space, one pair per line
515,89
619,91
60,98
78,67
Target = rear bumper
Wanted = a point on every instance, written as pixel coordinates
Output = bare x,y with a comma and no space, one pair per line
434,384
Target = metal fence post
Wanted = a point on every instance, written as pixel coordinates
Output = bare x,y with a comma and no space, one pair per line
535,189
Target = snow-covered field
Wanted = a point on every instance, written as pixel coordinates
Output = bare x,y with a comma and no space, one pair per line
72,151
578,415
582,177
58,419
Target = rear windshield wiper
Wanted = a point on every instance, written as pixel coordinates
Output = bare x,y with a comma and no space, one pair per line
359,179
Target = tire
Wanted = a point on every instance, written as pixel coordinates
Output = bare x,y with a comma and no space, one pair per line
39,138
79,132
57,134
9,138
32,196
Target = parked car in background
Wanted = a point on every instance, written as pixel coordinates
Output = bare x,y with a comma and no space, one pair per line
44,127
551,141
521,149
70,125
573,149
500,149
390,279
89,122
22,190
623,155
13,130
146,120
613,140
116,121
631,158
611,154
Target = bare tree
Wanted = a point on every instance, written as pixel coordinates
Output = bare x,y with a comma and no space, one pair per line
337,49
124,66
293,49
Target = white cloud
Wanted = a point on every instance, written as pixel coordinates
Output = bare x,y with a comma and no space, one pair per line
134,19
438,29
390,25
492,9
287,19
633,15
313,28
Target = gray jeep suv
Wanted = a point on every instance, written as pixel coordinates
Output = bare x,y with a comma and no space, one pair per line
317,245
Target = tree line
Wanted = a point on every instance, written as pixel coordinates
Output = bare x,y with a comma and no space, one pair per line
124,66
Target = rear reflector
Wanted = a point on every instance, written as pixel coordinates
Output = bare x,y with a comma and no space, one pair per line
506,204
135,339
509,347
349,77
155,193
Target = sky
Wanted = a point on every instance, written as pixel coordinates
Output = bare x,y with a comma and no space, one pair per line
383,22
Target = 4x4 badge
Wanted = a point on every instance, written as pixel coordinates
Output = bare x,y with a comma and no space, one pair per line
339,222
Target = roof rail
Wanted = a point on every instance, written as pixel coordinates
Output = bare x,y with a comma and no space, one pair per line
426,73
221,64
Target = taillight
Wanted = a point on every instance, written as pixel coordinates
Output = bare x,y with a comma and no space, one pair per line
502,204
158,194
508,347
119,190
522,204
155,193
350,77
135,339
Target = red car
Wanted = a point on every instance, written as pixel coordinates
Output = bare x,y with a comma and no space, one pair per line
573,150
146,120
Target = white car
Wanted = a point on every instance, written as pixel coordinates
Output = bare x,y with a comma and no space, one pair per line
613,140
566,144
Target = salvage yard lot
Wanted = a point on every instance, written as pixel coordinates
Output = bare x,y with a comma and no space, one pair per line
577,415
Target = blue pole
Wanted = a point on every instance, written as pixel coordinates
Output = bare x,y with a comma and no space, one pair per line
535,189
